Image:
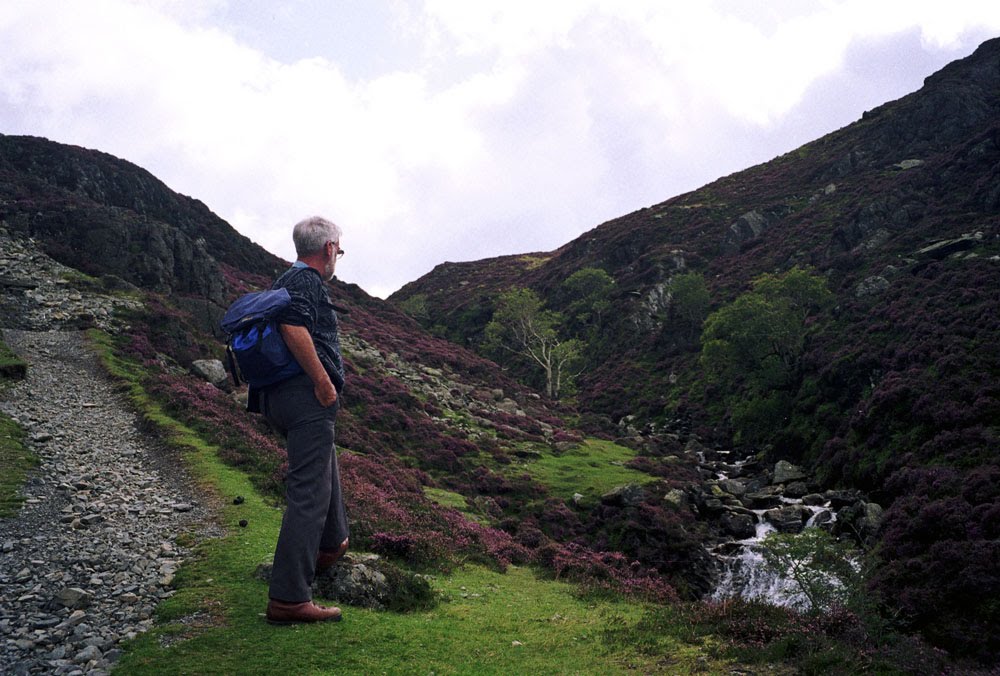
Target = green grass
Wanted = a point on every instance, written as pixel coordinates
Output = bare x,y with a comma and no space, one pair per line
16,461
214,623
591,469
11,366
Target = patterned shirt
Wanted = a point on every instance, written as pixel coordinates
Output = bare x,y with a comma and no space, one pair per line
311,308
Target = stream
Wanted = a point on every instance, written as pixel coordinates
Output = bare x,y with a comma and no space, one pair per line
743,570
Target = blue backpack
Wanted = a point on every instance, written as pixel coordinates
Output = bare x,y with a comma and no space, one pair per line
254,347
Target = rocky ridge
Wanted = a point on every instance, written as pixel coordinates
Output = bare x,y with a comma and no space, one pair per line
39,294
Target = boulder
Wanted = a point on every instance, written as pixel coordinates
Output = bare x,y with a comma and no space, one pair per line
676,497
841,499
861,520
211,370
946,247
762,499
787,519
561,447
750,226
629,495
871,286
813,500
711,506
871,518
510,407
822,519
785,472
733,487
796,489
73,597
740,526
369,581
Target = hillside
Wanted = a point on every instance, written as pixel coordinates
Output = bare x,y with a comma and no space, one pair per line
880,241
895,390
438,444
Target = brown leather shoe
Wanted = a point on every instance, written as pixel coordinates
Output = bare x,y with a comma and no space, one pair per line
326,560
279,612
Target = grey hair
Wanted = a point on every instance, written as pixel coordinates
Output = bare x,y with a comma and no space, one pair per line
311,234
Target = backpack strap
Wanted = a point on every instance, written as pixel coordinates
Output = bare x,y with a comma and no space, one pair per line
231,358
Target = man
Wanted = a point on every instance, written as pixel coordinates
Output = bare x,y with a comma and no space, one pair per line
314,530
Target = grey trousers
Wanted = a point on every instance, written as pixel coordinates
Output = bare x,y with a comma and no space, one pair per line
315,517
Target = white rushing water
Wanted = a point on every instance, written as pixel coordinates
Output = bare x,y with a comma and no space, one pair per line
747,574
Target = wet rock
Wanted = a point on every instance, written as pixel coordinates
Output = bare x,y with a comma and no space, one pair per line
785,472
740,526
762,499
733,487
823,519
787,519
841,499
796,489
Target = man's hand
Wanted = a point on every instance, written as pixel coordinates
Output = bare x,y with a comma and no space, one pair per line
326,393
301,345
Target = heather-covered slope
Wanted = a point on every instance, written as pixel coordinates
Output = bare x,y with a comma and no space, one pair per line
896,390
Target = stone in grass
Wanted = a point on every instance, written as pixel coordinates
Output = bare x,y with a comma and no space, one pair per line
369,581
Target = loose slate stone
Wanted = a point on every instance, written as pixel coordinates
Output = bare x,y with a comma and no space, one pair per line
81,561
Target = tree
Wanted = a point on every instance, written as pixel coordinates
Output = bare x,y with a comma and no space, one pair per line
416,307
690,300
521,326
588,295
826,572
753,347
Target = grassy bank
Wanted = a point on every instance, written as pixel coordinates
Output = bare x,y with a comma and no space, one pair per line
486,622
12,367
16,460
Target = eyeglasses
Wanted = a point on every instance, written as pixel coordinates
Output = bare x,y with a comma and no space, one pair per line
340,252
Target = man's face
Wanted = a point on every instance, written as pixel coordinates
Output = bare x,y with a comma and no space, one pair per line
333,252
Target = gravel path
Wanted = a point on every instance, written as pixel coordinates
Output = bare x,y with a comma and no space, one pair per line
93,550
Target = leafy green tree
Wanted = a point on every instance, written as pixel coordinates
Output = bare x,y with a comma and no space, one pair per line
522,326
825,571
416,307
753,347
690,301
588,292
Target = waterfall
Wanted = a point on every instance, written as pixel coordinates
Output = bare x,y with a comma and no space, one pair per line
744,572
747,575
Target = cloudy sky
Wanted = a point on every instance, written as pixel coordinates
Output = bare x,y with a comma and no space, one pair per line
452,130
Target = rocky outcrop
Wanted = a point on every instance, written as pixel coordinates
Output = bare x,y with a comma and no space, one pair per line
38,293
368,581
750,226
103,215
